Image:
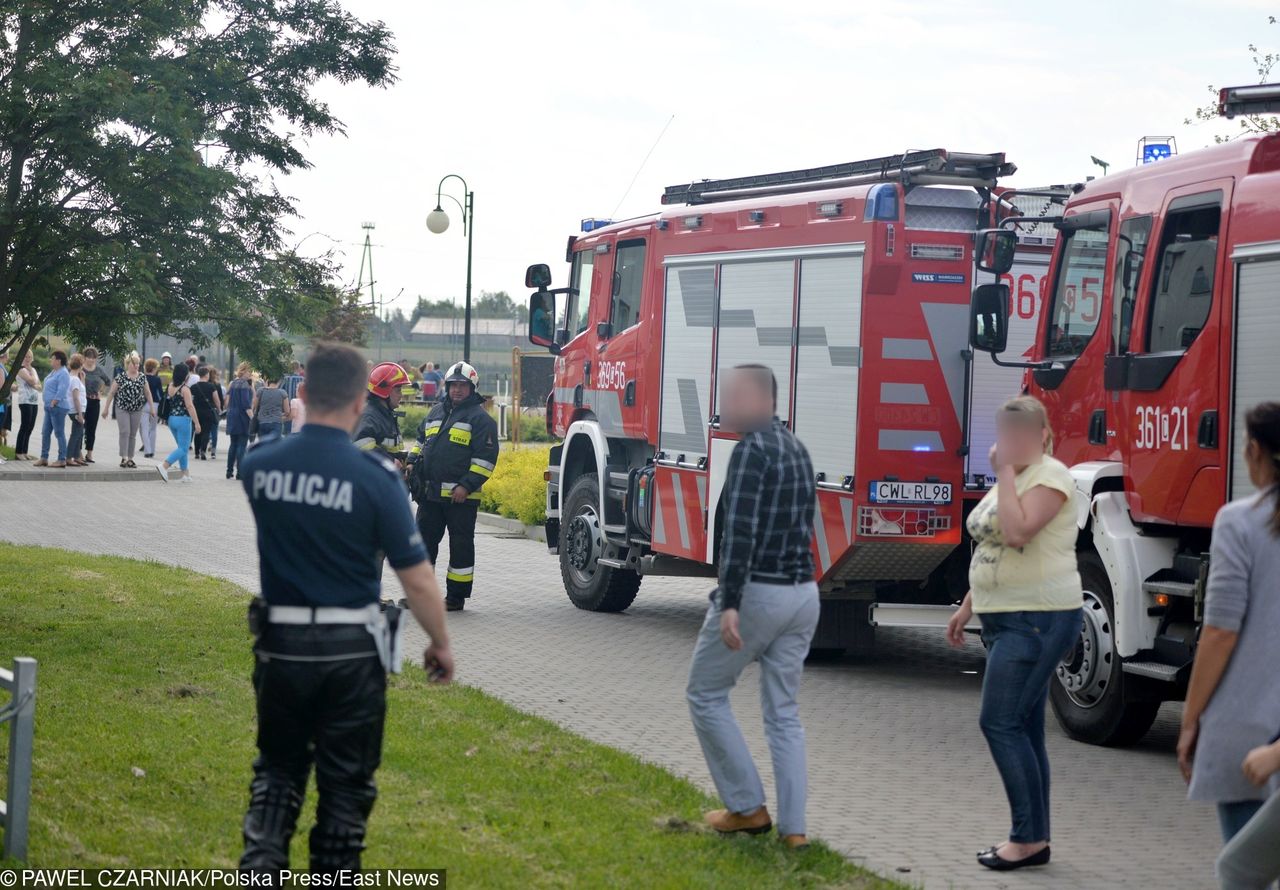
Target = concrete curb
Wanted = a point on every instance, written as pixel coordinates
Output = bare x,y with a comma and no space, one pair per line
515,526
14,471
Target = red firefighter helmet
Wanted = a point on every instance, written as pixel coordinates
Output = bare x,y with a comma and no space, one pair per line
386,378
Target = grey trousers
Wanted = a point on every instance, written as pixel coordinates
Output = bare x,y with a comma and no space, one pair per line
1251,859
776,623
129,422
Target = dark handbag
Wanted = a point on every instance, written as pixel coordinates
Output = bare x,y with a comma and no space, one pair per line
253,419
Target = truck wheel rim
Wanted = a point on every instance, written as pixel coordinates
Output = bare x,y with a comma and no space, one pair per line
1086,671
583,544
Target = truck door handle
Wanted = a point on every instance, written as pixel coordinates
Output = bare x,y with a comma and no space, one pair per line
1207,433
1098,427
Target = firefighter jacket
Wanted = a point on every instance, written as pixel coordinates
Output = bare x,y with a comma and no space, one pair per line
457,445
378,428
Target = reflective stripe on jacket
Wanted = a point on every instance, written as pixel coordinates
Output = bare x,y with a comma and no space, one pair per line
459,444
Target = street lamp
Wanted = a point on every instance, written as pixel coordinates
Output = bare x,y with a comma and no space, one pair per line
438,223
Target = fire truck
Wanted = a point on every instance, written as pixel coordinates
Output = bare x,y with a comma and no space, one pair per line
853,283
1160,329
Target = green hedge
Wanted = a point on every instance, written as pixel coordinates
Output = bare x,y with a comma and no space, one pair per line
517,489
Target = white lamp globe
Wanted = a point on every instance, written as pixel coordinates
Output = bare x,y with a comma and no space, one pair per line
437,221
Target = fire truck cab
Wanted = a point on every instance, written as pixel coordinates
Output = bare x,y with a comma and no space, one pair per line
1160,328
853,283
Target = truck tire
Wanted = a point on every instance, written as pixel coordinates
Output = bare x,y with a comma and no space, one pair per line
1088,693
590,585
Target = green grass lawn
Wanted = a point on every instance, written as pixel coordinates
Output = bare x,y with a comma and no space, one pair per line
144,738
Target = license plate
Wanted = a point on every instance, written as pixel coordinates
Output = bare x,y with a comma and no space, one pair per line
911,492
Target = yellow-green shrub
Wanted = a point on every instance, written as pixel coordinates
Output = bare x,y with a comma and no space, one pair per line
517,489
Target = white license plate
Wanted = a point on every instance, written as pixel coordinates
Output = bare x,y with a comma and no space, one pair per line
911,492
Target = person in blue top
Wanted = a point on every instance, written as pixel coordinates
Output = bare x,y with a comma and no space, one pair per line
56,409
326,514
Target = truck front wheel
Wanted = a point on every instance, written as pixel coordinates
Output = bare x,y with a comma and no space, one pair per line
1088,694
590,585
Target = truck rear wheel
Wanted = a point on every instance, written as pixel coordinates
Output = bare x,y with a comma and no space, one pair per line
590,585
1088,695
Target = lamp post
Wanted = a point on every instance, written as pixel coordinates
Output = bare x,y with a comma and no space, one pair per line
438,223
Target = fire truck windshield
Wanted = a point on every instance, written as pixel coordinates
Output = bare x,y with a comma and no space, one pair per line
1077,292
578,308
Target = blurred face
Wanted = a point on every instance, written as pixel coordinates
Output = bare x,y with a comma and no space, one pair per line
459,392
1019,440
131,366
746,402
394,399
1261,467
166,362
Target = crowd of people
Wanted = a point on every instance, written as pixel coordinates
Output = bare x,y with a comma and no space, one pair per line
188,397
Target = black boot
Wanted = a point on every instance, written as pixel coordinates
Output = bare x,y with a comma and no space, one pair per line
274,803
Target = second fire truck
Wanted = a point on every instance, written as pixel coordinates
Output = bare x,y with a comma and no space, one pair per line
1159,330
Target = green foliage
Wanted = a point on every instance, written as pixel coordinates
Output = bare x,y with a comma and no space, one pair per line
517,489
140,143
347,319
490,304
145,736
1263,63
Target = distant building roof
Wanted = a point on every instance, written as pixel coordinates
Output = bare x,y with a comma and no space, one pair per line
444,327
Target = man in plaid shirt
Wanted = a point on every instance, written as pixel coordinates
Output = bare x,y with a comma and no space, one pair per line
765,609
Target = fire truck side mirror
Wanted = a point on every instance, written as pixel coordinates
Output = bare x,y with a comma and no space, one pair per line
989,318
542,313
538,276
995,250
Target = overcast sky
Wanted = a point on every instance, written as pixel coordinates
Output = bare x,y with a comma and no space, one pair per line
549,107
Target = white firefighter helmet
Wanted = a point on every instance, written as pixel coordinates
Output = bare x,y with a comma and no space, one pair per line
461,372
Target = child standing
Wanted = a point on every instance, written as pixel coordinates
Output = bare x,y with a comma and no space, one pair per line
76,398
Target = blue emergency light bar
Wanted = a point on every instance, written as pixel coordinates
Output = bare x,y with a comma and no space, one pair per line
590,225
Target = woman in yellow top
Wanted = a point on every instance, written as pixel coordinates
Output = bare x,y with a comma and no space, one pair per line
1025,588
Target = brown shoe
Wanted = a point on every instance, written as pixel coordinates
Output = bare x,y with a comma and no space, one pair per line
42,463
795,841
58,464
726,822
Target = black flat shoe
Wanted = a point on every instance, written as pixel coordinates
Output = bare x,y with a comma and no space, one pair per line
452,605
991,859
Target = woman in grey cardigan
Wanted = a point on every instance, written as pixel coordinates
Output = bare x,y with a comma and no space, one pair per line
1233,701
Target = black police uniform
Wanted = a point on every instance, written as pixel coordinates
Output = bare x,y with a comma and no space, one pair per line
378,428
457,445
326,513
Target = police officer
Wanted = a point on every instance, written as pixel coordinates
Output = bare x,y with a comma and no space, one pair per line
457,451
378,427
326,513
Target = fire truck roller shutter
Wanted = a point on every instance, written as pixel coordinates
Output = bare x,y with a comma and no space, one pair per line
992,385
686,360
757,300
829,355
1257,358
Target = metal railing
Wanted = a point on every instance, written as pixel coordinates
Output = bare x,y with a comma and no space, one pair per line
20,714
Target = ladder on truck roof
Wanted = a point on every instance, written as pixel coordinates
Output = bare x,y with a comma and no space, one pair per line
935,166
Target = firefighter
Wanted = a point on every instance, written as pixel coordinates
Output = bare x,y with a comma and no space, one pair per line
378,427
456,452
326,514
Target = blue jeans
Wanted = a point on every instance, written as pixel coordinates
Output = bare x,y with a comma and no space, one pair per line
777,622
55,424
268,431
181,429
1023,649
239,442
213,434
1234,815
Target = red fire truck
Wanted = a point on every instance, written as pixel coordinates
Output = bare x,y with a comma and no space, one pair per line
852,282
1161,328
